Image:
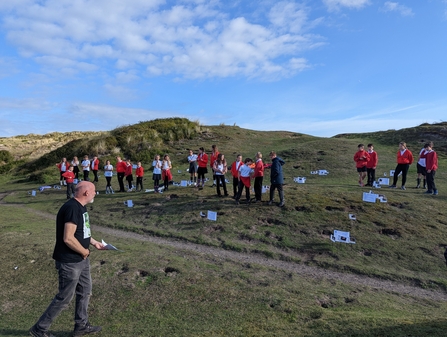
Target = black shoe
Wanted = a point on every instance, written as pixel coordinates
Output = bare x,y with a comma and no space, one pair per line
392,186
35,333
270,202
85,330
237,201
281,204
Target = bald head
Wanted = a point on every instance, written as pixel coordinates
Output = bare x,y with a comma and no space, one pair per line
85,192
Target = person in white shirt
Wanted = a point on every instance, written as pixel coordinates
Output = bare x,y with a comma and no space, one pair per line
245,173
192,160
108,173
86,167
220,168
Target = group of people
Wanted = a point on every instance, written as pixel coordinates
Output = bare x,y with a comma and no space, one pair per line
427,165
243,173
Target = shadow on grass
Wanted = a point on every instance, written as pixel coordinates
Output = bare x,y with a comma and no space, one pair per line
432,329
19,332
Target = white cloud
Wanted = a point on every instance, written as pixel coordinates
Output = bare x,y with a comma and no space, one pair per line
396,7
333,5
192,39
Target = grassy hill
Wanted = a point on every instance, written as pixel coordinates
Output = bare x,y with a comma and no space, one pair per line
153,290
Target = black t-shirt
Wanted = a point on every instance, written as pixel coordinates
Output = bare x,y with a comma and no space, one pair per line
71,211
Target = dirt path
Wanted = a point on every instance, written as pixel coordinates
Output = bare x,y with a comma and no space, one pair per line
313,272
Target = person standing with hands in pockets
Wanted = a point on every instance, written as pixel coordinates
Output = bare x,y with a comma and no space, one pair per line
71,253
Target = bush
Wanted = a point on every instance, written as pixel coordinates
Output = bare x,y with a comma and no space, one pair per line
5,157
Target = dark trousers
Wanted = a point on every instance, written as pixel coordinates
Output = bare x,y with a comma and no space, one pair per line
401,168
139,183
240,187
258,188
70,190
430,177
76,171
371,175
220,180
235,185
108,179
129,179
95,173
86,175
280,192
121,180
74,278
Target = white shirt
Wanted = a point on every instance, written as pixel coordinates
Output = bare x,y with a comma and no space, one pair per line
192,158
157,166
86,165
245,170
108,171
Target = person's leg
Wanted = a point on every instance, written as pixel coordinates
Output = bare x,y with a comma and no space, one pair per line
224,185
430,179
258,188
69,274
240,187
272,193
235,185
218,181
373,176
281,195
405,168
396,174
83,293
247,193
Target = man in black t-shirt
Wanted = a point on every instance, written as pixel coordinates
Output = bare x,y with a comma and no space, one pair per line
73,238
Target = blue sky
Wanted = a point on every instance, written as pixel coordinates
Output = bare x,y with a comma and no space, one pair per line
319,67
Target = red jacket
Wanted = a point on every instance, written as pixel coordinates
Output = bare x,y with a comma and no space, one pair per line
66,166
431,161
94,164
139,172
121,166
213,158
405,158
128,171
235,168
202,160
259,169
373,160
69,176
361,158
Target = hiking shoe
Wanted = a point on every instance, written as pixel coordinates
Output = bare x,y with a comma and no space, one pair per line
428,192
403,188
35,333
85,330
435,192
392,186
270,202
282,204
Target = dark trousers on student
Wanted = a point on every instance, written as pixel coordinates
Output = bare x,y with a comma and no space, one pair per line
258,188
430,177
121,181
235,185
220,180
401,168
239,191
86,175
280,192
371,175
139,183
95,173
70,190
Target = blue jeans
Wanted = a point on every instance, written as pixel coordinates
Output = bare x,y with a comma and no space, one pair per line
73,278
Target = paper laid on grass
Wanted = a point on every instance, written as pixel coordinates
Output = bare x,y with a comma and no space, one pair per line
352,217
370,197
108,246
184,183
212,216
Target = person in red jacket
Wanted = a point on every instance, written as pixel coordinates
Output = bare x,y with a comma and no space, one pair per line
371,165
431,165
404,160
361,158
69,179
214,154
120,171
95,167
235,173
139,172
202,162
259,176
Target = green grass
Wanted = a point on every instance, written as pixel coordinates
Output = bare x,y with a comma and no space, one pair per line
152,290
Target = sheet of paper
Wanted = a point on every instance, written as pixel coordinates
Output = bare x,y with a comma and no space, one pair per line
109,246
212,215
369,197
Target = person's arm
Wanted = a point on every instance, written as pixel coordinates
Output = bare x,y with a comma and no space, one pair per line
72,242
98,245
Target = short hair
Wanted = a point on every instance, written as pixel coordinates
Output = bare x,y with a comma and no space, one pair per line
427,145
248,160
360,145
403,144
370,144
259,154
272,153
